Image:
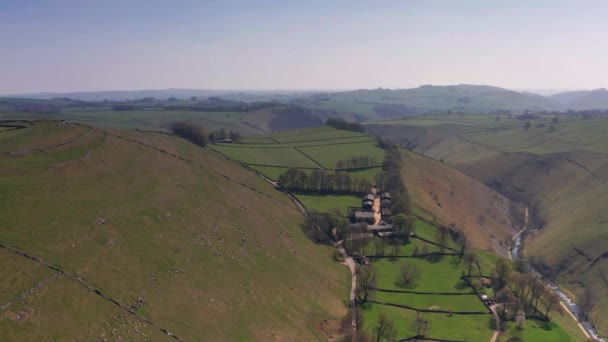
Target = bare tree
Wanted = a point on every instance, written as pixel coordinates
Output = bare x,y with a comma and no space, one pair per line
502,272
520,319
385,329
441,237
588,301
551,302
366,282
470,260
464,244
408,274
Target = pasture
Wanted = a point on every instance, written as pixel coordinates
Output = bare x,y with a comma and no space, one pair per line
308,149
441,289
323,203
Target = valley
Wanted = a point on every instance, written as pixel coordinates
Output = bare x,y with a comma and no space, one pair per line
463,182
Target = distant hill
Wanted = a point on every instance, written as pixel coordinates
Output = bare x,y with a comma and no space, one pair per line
386,103
583,100
123,95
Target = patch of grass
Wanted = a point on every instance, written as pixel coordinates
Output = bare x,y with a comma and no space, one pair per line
436,276
538,331
286,157
457,327
322,203
470,303
329,155
270,171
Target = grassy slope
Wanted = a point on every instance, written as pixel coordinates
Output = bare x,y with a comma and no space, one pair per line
149,119
449,196
203,252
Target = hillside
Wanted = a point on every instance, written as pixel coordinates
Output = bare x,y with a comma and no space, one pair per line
561,172
596,99
447,196
149,224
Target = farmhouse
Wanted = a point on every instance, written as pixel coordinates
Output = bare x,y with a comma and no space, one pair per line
377,228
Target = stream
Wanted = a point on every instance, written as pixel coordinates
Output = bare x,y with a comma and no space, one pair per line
572,306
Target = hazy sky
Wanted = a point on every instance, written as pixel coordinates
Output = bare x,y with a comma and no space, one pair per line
111,44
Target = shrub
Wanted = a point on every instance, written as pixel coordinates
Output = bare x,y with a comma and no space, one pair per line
191,132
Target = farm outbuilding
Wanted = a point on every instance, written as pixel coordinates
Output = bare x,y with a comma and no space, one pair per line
386,213
368,205
380,228
363,216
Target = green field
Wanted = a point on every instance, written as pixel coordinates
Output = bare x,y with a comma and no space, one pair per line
434,302
323,203
329,155
535,331
404,249
457,327
283,156
442,276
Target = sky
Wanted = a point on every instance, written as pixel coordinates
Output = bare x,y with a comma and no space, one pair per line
60,45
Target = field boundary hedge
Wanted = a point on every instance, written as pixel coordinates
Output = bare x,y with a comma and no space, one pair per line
237,145
410,256
314,140
428,293
309,157
271,145
424,338
434,311
436,244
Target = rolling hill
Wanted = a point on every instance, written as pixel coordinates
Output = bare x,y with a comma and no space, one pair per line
386,103
584,100
111,234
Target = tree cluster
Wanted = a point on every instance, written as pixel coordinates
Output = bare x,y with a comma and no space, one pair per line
356,162
533,299
390,180
222,134
322,181
191,132
345,125
319,227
